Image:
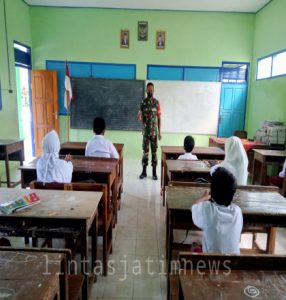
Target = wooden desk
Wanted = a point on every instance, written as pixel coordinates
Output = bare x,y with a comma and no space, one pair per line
259,208
30,275
78,148
187,170
60,214
236,284
11,150
173,152
249,147
263,158
102,170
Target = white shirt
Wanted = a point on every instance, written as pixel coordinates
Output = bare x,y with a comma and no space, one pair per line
221,226
282,173
49,167
99,146
188,156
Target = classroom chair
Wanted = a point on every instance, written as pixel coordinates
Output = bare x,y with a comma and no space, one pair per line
194,261
241,134
105,216
70,284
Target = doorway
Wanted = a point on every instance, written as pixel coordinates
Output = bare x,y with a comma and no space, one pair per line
234,77
23,83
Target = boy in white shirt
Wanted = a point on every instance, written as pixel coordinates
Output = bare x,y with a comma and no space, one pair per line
99,146
220,220
189,144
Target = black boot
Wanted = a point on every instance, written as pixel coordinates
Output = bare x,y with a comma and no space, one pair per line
154,174
143,174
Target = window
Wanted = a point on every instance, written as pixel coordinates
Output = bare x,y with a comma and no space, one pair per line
234,72
271,66
264,68
279,64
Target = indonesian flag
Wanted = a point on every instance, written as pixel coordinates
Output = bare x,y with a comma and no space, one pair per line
68,89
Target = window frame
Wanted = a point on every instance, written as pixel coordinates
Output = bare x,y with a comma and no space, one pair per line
271,72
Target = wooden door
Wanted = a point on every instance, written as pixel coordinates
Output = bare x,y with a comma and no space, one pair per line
45,105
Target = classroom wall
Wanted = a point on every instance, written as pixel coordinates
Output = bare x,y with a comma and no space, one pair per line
192,38
267,98
18,26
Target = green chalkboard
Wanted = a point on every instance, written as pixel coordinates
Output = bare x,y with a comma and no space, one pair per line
115,100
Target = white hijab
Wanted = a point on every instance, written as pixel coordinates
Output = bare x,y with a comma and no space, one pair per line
235,160
49,167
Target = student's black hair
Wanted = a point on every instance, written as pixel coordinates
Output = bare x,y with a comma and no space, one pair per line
98,125
189,143
223,186
150,83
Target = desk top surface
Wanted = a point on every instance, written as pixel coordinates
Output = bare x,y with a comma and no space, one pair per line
9,142
276,153
252,202
82,145
83,164
22,274
196,150
183,166
234,285
55,204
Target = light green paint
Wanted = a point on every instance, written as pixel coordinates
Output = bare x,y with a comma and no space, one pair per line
267,99
18,27
192,38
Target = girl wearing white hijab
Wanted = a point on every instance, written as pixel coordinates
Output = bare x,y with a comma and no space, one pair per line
235,160
49,167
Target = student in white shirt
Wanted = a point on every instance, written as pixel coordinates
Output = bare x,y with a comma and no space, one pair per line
49,167
189,144
235,160
278,180
99,146
220,220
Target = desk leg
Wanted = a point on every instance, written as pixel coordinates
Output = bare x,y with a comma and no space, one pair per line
7,170
271,238
255,170
94,236
84,257
170,241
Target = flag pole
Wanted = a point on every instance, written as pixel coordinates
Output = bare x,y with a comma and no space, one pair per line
68,120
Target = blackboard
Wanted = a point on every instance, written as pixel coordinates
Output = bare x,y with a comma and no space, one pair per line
115,100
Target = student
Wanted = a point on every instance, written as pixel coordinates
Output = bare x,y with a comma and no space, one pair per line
220,220
49,167
99,146
189,144
278,180
235,160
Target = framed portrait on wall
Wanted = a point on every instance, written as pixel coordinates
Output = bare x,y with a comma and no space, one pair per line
160,39
124,38
142,31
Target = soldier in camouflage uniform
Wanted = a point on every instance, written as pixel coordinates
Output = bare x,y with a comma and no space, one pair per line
150,115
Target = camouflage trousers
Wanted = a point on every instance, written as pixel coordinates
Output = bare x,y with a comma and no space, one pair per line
152,140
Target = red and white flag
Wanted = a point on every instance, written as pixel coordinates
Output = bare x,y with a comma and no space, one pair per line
68,89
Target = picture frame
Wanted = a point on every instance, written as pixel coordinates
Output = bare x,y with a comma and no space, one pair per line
124,38
160,40
142,31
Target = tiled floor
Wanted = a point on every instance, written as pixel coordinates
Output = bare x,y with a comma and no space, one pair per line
137,265
138,255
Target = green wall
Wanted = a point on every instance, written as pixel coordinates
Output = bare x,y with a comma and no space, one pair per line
267,99
18,25
192,38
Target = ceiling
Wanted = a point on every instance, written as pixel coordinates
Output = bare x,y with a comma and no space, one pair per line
251,6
